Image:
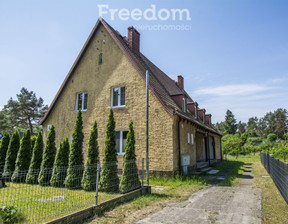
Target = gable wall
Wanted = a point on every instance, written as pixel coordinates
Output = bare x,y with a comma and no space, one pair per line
97,80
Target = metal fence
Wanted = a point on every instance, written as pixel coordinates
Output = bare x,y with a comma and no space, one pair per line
278,172
54,197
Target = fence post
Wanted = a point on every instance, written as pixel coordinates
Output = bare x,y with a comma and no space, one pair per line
142,172
97,183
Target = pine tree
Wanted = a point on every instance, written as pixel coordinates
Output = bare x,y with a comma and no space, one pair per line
3,150
60,164
33,173
23,158
12,154
89,177
48,158
75,169
229,125
109,181
129,179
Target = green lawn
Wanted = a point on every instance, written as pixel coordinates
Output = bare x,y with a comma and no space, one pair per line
38,204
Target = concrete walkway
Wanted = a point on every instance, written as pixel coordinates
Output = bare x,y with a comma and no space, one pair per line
239,205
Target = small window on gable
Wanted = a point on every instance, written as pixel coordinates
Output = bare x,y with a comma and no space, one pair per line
184,104
81,101
121,137
118,97
100,58
48,127
192,139
188,138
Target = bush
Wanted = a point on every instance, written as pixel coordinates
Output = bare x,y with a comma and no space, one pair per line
33,141
32,176
271,137
48,158
23,158
10,215
60,164
109,181
12,154
129,179
3,150
255,141
89,177
76,155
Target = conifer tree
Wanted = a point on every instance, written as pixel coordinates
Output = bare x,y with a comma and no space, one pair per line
12,154
75,169
33,173
89,177
33,140
23,158
48,159
3,150
109,181
60,164
129,179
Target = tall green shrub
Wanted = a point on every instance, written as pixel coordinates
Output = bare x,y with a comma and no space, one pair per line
89,177
129,179
33,173
3,150
12,154
60,164
75,169
23,158
109,181
48,159
33,141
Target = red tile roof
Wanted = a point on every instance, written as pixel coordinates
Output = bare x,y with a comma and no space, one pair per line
160,84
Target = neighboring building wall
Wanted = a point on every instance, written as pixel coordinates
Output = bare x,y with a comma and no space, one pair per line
97,80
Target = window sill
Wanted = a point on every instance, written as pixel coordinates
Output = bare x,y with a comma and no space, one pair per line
118,107
121,154
76,111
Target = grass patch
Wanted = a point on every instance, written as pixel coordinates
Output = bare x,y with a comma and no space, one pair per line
274,208
38,204
173,189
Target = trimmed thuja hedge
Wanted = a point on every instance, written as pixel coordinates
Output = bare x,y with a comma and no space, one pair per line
129,179
23,158
75,169
89,176
48,158
109,181
3,150
60,164
32,176
12,154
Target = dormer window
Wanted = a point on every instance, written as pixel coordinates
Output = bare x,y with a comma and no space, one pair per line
118,97
184,104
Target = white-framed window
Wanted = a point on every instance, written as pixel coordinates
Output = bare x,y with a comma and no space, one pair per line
121,141
184,104
192,139
81,101
188,138
118,96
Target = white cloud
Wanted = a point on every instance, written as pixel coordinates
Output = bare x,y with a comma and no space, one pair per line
232,90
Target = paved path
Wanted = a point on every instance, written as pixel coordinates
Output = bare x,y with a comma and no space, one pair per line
229,205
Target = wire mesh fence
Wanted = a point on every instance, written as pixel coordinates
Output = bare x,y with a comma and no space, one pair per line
278,172
44,195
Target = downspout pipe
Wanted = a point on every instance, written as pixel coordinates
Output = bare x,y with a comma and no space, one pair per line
179,144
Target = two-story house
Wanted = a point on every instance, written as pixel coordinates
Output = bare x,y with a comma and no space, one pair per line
110,72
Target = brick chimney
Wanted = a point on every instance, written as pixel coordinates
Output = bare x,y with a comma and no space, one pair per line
134,39
180,82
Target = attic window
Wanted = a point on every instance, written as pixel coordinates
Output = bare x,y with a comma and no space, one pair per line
81,101
100,58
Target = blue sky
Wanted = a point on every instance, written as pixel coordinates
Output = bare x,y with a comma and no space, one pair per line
233,56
